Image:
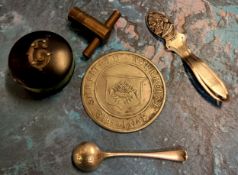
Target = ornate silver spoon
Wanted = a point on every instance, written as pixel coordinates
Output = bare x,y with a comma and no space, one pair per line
87,156
160,26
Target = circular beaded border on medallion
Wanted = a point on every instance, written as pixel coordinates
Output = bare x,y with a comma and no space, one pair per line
104,116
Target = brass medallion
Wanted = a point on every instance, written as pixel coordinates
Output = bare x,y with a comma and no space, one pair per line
123,91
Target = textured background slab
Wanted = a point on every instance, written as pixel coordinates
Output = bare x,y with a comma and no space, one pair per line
37,136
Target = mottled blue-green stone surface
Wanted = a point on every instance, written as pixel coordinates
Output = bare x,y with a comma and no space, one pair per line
37,136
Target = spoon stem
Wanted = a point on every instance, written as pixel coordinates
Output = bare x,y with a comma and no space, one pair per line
176,155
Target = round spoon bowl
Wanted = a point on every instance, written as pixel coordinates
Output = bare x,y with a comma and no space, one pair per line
87,156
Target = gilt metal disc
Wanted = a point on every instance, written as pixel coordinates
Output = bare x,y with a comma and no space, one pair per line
123,91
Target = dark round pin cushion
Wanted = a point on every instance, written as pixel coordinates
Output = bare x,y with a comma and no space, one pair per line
42,62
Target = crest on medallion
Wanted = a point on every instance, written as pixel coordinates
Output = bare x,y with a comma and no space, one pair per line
124,92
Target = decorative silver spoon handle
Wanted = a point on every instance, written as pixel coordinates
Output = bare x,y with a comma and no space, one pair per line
160,26
205,75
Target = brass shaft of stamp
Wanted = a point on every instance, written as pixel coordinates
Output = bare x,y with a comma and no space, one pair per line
96,41
76,15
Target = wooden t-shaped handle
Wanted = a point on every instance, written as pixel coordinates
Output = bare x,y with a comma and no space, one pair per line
96,41
102,31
